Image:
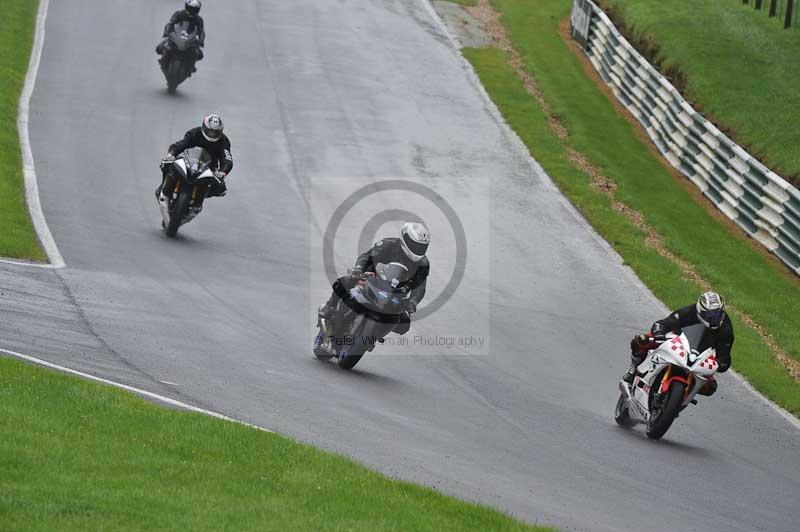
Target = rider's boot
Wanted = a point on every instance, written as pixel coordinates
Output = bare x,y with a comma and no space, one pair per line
194,209
709,388
631,373
160,46
328,310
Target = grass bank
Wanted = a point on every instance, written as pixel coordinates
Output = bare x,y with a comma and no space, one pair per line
757,286
17,237
708,41
75,455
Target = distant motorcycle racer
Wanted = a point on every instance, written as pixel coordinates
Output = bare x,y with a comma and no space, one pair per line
191,14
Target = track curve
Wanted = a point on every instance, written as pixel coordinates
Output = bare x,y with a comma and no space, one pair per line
223,316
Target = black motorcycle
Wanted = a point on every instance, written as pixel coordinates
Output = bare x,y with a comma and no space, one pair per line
375,307
195,178
179,55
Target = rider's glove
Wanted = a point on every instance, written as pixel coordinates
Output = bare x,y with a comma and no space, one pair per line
168,159
412,307
220,175
357,272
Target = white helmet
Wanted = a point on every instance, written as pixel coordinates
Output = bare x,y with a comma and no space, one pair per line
212,128
711,310
414,239
192,6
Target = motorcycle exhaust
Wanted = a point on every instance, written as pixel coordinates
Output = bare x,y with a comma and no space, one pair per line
191,215
323,325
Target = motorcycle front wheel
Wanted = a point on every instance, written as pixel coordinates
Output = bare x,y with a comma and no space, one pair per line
661,419
178,212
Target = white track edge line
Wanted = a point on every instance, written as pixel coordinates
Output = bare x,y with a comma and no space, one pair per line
28,166
27,264
788,416
138,391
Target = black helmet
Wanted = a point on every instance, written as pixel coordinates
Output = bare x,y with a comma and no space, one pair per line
192,7
710,310
212,128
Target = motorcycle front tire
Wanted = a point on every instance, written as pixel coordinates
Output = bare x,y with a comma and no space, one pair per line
179,210
659,425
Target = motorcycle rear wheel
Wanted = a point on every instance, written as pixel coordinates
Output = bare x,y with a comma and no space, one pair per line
179,210
658,425
173,75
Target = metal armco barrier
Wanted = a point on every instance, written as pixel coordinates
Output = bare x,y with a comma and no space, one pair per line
762,203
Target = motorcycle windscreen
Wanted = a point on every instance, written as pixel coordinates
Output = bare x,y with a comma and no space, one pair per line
393,273
197,160
694,333
182,37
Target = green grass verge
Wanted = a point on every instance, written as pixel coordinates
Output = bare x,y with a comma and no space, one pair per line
75,455
464,2
708,40
17,237
745,277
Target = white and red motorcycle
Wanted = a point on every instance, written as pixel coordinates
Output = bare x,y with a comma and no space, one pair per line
666,382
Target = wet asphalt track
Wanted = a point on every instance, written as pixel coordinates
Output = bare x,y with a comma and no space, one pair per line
354,90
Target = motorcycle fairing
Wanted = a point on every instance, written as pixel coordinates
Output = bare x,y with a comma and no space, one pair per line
181,39
675,351
192,166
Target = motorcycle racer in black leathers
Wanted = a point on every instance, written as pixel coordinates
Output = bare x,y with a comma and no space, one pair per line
191,14
709,311
210,137
408,250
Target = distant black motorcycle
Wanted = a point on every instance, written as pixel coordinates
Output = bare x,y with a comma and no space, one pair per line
179,55
194,179
375,307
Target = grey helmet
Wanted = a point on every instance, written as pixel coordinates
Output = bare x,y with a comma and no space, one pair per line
212,128
414,238
192,7
711,310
